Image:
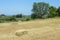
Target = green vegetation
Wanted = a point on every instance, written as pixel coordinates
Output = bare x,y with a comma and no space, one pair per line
58,11
40,10
44,10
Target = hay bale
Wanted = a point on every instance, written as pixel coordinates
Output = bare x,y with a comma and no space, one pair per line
21,32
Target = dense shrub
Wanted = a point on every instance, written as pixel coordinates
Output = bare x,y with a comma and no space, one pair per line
27,19
7,19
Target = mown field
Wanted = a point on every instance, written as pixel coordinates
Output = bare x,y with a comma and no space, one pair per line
40,29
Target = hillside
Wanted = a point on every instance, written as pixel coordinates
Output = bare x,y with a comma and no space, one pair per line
41,29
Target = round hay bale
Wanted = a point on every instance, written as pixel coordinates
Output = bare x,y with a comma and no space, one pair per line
21,32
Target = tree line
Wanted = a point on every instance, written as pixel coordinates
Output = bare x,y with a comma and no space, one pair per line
44,10
40,10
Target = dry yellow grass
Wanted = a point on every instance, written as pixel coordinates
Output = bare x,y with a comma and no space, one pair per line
47,29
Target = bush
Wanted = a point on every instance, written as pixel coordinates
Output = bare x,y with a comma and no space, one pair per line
27,19
8,19
1,21
12,19
33,16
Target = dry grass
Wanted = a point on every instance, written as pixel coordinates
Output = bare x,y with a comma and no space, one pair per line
21,32
47,29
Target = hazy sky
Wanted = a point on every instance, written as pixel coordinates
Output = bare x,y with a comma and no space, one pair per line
10,7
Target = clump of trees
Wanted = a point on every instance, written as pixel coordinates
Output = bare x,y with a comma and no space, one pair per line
18,15
13,18
52,11
58,11
40,10
44,10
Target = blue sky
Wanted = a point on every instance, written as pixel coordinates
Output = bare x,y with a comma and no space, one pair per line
12,7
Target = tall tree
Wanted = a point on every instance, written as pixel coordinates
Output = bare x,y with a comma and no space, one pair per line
52,12
19,15
58,11
40,10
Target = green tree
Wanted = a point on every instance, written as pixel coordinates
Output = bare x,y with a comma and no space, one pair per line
12,19
58,11
40,10
19,16
33,16
52,12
